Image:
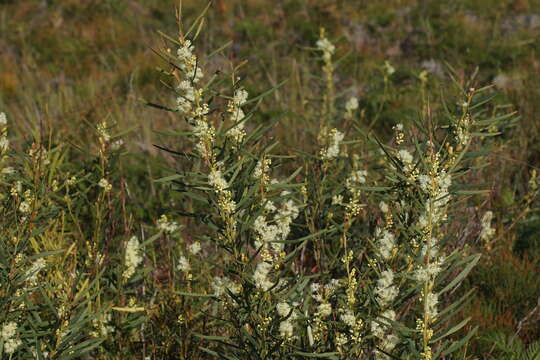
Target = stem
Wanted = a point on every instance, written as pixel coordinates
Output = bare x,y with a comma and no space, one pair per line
427,284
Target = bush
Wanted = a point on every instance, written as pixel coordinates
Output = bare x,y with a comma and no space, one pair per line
346,246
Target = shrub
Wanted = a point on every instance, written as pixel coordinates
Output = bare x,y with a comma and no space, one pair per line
346,246
354,254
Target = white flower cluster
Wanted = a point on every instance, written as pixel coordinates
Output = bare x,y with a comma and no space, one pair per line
4,142
430,271
462,131
183,264
216,179
435,184
117,144
357,178
406,157
324,310
400,135
355,326
192,105
286,326
28,199
286,329
376,327
326,47
103,133
104,183
34,270
187,98
431,305
353,206
102,327
192,75
194,248
8,336
237,133
351,104
285,215
334,139
278,229
205,134
190,102
133,257
261,170
427,274
386,291
337,199
387,341
220,285
283,309
322,293
389,69
487,231
16,189
438,197
269,206
348,318
386,243
226,204
268,233
260,276
26,205
384,207
39,154
167,226
185,53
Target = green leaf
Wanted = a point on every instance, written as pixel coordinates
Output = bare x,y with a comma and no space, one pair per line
212,337
481,100
472,192
169,178
151,239
473,260
327,355
452,330
194,294
80,349
456,345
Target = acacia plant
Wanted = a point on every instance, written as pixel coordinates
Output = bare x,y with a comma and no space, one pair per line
346,245
349,251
